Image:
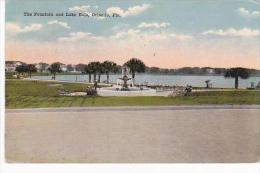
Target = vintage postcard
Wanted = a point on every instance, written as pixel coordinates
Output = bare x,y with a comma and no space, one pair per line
132,81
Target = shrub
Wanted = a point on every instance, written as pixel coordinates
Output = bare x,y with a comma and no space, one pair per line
91,92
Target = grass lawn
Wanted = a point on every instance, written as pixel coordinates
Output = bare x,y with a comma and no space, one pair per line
10,75
35,94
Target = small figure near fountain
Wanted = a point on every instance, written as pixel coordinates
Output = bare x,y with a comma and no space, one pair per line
208,84
124,78
95,84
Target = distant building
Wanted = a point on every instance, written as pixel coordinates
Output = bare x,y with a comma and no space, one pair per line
63,67
72,68
210,70
10,66
80,67
42,67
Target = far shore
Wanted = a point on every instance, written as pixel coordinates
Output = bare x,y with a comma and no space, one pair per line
145,74
156,74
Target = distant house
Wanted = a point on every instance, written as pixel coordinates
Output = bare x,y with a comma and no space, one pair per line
72,68
10,66
63,67
210,70
207,70
42,67
80,67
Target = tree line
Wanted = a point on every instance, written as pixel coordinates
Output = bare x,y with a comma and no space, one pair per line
96,69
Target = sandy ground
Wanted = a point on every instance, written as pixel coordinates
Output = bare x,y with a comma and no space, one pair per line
133,135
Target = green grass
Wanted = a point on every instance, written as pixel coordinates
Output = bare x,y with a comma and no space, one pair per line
49,74
9,75
35,94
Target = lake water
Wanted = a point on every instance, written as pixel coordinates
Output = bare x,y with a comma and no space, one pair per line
180,80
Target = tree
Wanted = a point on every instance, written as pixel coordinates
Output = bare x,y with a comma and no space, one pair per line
88,71
94,67
80,67
185,70
21,69
55,68
237,72
100,70
219,71
154,70
31,68
165,71
109,67
135,65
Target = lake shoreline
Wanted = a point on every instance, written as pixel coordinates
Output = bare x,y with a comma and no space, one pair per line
195,89
155,74
161,80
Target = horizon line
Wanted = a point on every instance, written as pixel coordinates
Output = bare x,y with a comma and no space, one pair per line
145,65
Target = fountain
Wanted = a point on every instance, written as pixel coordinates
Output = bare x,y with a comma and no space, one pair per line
124,78
123,88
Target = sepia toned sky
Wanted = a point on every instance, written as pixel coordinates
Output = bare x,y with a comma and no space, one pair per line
168,33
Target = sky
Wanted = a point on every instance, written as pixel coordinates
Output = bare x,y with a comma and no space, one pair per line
167,34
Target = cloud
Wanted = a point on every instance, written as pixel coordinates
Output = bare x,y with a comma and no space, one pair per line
120,27
154,25
247,13
14,28
80,9
62,24
181,36
148,36
167,36
123,34
245,32
77,36
131,11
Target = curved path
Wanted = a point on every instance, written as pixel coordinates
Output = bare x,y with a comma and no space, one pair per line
164,134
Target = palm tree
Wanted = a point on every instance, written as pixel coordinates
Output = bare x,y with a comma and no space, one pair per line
135,65
55,68
88,71
94,68
237,72
100,70
31,68
109,67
